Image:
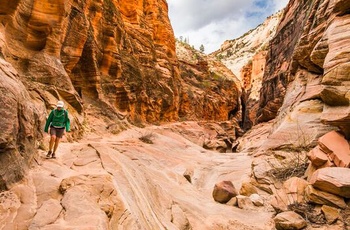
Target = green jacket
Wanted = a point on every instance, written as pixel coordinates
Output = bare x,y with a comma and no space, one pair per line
58,119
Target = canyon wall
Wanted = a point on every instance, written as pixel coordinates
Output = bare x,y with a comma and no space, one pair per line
305,84
245,57
208,88
107,51
113,60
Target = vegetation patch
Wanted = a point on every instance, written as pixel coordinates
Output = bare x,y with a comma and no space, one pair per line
293,167
308,212
147,138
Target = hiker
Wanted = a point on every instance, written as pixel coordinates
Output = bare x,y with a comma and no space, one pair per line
58,121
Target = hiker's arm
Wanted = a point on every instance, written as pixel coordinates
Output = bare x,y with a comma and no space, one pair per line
67,123
48,122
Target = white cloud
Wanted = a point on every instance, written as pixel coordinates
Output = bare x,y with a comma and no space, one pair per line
212,22
280,4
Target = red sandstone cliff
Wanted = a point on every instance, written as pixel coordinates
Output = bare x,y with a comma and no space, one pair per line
106,51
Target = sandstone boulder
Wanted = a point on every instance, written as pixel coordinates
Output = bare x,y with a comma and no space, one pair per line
335,180
312,168
247,189
224,191
330,213
289,220
261,168
244,202
216,145
292,191
317,157
337,147
257,200
316,196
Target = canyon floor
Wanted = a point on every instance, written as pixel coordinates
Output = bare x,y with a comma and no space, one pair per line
107,181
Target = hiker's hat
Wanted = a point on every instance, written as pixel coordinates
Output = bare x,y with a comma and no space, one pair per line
60,104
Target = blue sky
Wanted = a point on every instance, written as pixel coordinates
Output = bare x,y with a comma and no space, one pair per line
211,22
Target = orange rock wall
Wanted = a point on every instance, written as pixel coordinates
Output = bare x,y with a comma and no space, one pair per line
252,75
110,51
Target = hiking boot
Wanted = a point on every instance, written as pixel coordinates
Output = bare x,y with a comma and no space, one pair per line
53,155
48,154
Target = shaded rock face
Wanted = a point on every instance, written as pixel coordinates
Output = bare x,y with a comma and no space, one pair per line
310,46
209,90
19,127
252,75
279,58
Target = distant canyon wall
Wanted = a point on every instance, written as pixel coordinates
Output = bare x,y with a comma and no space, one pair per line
209,90
246,57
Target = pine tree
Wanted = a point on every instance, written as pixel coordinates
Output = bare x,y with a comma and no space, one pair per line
201,48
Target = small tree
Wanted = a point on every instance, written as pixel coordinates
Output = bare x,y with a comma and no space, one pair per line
201,48
181,38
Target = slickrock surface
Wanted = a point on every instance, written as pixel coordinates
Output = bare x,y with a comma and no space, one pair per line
112,182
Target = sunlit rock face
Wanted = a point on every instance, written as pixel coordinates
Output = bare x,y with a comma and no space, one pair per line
311,37
107,51
116,56
305,85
